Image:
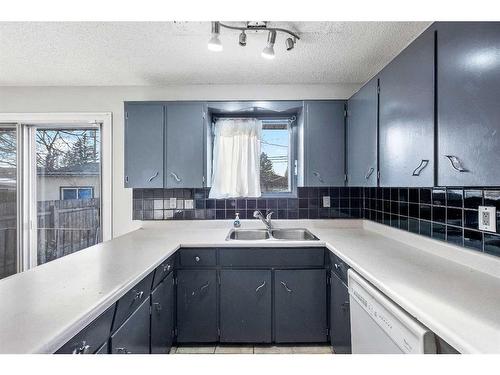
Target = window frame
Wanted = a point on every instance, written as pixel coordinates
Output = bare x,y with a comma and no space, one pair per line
293,147
77,188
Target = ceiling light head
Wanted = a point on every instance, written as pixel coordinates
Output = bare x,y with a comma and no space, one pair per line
289,43
243,39
268,52
214,44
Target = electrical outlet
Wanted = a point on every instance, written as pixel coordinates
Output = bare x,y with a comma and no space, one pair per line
326,201
487,218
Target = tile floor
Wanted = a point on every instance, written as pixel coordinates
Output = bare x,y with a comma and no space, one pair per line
249,349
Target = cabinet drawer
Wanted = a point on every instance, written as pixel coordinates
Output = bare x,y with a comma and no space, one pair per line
132,300
197,257
163,270
92,337
272,257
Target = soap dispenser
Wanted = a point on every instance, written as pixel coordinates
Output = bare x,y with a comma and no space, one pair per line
236,222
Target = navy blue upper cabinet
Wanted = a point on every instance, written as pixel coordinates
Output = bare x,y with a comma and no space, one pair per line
468,82
144,127
407,116
324,143
184,143
362,112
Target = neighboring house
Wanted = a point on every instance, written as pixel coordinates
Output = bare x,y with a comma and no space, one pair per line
71,182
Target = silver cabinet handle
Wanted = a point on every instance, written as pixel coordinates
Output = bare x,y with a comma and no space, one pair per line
138,294
260,287
421,167
176,178
286,287
456,163
84,348
205,286
157,306
197,258
123,351
318,176
369,173
166,268
153,176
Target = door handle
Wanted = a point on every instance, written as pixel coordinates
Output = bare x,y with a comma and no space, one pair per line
175,176
420,168
84,348
260,287
369,173
318,176
456,163
286,287
153,176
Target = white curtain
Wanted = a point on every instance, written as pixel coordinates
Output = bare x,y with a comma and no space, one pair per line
236,163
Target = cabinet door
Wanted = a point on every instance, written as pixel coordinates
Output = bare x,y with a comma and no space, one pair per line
468,81
407,116
324,143
133,336
362,109
197,306
340,323
184,145
245,306
300,305
144,124
162,316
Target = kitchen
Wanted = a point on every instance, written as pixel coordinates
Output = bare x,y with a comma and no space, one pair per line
223,204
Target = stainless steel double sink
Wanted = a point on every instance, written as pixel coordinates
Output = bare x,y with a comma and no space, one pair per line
283,234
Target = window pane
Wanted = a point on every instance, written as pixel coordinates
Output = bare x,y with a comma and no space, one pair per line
274,159
8,204
85,193
69,194
67,159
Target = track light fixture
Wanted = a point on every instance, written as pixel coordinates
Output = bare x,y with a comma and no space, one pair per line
268,52
214,44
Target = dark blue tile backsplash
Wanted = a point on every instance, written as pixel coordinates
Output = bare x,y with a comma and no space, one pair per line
445,214
189,204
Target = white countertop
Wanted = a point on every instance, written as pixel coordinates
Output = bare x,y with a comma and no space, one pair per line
453,291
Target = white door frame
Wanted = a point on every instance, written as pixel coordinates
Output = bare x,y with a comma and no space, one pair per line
28,257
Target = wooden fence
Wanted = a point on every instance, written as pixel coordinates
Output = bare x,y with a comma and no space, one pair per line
63,227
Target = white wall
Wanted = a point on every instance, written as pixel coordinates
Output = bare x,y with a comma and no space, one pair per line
110,99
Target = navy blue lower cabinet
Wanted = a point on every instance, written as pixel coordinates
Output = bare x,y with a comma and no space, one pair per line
103,349
300,301
245,306
162,316
133,336
197,306
340,324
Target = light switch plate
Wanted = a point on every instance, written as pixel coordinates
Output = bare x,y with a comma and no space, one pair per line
326,201
487,218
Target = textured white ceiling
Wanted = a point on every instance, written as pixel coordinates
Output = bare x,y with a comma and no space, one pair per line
164,53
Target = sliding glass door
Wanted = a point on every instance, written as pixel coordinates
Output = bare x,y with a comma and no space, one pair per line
68,189
55,208
8,201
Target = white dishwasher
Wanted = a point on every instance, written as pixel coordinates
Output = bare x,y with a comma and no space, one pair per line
379,326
